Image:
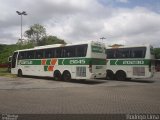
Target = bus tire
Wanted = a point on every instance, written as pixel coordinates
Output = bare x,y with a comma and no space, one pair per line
57,75
120,75
20,74
66,76
109,75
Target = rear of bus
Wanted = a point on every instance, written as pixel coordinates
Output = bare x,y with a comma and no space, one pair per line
97,60
130,62
150,56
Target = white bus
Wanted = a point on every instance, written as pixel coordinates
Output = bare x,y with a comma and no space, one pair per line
63,62
130,62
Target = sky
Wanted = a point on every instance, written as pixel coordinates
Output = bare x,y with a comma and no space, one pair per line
127,22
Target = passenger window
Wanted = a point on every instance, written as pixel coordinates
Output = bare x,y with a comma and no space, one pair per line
48,53
39,54
30,55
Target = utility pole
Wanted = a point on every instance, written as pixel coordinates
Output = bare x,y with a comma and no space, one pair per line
21,14
102,38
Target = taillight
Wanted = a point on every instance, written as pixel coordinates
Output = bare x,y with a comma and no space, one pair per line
90,66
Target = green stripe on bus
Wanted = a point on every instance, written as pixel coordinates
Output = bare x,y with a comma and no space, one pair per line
82,61
45,68
48,62
76,61
29,62
129,62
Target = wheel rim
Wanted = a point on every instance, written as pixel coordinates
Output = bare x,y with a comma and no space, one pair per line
121,76
57,77
67,77
19,73
110,75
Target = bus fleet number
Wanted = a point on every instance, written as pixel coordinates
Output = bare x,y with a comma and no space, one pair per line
77,61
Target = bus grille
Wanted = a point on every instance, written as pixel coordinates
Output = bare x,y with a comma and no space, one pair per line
81,71
139,71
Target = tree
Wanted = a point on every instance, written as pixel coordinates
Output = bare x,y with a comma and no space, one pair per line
157,53
47,40
116,45
35,33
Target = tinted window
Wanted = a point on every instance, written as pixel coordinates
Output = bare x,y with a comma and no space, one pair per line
58,52
123,53
111,53
81,50
69,51
138,52
48,53
22,55
39,54
30,54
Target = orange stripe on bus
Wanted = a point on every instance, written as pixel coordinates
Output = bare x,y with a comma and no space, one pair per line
53,61
43,62
50,68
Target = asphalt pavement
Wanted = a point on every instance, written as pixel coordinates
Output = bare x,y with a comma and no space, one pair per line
30,95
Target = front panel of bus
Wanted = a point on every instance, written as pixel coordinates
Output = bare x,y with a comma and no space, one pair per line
14,63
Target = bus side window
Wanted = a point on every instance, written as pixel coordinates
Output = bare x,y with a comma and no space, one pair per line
30,55
69,52
64,52
39,54
115,53
81,51
138,52
53,52
110,53
58,52
48,53
125,53
21,55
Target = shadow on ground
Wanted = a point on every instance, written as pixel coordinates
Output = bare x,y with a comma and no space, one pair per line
136,80
89,82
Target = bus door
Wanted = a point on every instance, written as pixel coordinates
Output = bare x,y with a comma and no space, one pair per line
14,59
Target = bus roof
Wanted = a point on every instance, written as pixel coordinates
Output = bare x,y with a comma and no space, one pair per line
127,46
57,45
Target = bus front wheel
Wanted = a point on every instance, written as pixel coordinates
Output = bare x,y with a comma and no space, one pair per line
121,75
66,76
19,73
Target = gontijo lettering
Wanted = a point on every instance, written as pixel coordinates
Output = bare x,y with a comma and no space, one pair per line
26,62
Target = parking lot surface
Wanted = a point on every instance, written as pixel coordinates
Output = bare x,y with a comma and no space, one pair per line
30,95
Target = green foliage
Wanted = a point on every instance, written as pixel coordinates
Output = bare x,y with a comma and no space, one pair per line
157,53
35,33
116,45
7,50
47,40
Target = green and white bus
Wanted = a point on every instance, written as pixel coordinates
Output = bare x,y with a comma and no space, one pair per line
130,62
63,62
